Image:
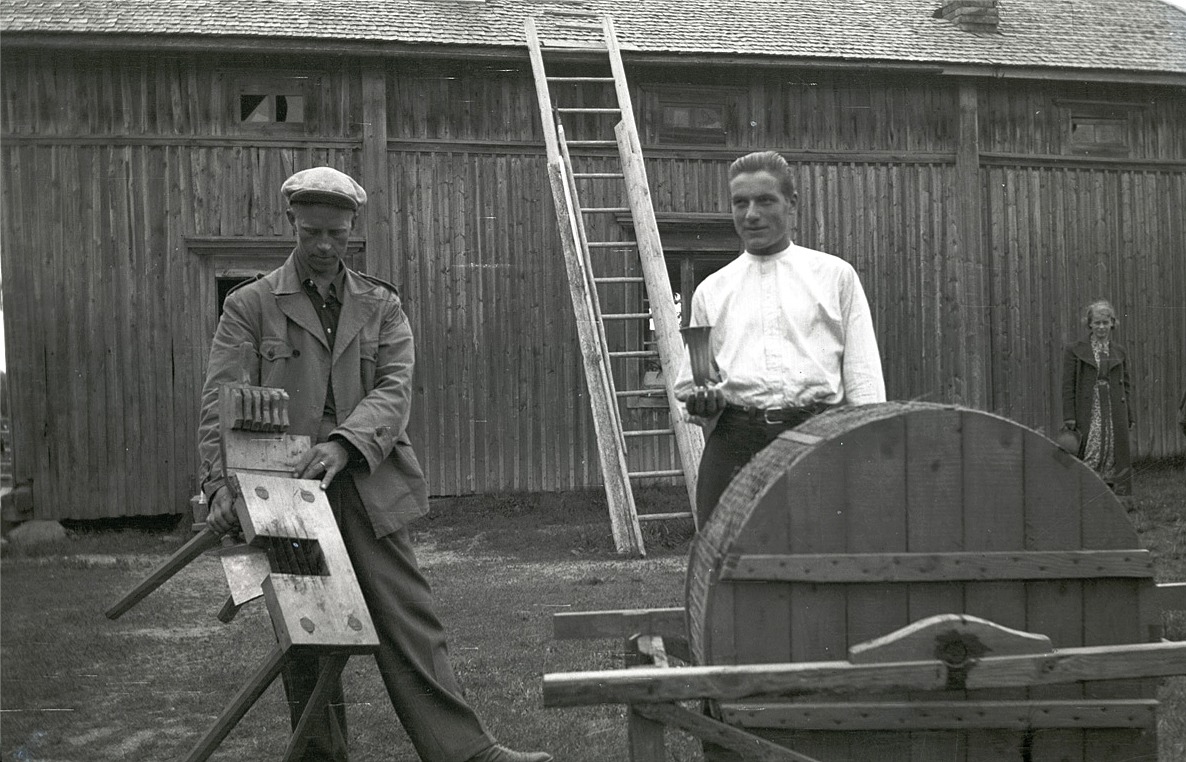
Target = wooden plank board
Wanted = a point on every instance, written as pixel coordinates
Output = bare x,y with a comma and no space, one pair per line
949,715
729,683
1054,609
1111,614
934,482
937,567
668,622
762,612
819,613
994,519
750,747
876,522
314,600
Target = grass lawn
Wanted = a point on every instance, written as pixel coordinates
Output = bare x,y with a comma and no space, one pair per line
75,687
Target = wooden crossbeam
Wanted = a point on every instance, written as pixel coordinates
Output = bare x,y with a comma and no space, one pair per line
750,747
938,567
943,715
623,623
841,677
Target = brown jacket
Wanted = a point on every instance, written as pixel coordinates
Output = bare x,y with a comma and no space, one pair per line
371,367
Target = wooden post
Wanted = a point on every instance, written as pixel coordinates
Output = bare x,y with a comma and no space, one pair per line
644,736
970,279
375,173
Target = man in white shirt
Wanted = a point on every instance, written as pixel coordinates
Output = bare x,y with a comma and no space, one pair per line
792,334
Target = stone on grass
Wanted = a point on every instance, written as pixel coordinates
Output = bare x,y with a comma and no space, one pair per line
36,532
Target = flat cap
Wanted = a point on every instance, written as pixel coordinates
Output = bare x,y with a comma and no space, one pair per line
324,185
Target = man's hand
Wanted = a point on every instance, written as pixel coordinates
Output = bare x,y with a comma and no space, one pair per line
706,401
222,517
322,461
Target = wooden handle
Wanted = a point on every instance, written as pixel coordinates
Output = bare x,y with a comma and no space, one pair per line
200,543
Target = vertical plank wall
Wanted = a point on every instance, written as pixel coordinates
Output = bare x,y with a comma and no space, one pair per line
109,314
112,163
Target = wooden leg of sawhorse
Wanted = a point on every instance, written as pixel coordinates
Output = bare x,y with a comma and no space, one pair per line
645,736
238,707
327,677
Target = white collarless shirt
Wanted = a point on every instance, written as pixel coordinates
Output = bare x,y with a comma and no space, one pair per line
788,329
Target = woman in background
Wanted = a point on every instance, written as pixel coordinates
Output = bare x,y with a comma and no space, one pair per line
1095,398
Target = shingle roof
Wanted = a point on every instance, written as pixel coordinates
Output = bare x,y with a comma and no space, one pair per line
1137,35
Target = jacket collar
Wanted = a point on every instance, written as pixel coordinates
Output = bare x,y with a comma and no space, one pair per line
358,304
1082,350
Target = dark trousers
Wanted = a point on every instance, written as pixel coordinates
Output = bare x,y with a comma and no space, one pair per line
734,441
413,657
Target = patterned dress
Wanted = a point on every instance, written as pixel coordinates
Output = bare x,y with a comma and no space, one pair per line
1099,451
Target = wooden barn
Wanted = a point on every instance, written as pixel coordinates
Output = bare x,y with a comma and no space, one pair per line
988,168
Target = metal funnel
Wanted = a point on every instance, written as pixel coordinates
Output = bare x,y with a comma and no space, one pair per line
698,339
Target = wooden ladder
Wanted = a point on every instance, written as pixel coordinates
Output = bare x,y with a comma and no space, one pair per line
584,30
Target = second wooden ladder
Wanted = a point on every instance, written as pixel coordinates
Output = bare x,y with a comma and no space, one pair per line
585,30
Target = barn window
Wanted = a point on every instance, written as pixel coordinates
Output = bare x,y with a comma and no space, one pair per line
1097,129
693,123
268,107
282,103
691,117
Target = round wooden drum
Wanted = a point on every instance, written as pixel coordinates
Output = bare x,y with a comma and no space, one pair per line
866,519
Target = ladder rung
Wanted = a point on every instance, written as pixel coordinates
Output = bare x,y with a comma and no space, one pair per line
655,474
575,12
627,316
635,353
598,175
605,209
586,110
612,244
591,142
642,393
648,432
623,279
587,26
664,516
553,47
580,79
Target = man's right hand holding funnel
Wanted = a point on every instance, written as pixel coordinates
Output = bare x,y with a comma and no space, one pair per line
706,398
706,401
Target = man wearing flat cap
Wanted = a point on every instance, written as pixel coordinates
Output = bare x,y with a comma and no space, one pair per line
339,343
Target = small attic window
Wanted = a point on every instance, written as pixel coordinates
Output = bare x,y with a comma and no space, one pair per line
692,117
1097,129
278,103
693,123
271,107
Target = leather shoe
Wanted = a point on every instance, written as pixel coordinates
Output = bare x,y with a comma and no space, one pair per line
497,753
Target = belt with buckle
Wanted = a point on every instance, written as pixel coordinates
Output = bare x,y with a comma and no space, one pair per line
778,415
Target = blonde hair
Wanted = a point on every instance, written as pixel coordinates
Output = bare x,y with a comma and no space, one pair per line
766,161
1100,305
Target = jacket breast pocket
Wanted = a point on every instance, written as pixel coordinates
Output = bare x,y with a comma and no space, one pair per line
368,356
274,355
